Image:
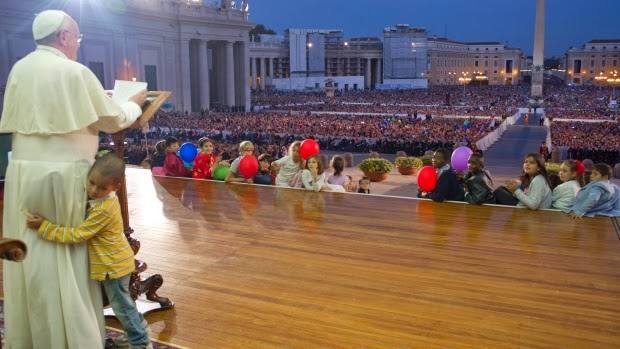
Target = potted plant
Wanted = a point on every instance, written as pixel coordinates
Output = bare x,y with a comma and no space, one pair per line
427,160
376,169
408,165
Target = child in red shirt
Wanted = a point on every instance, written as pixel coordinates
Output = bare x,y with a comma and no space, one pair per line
173,165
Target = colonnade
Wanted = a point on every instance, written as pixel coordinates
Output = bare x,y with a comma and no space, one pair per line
263,69
214,74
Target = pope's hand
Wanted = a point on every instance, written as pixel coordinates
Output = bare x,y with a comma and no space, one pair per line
139,98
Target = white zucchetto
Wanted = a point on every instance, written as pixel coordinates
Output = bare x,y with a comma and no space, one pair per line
46,23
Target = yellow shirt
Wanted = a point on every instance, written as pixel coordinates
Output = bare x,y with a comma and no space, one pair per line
109,251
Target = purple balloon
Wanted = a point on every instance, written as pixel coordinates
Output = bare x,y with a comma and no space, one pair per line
460,157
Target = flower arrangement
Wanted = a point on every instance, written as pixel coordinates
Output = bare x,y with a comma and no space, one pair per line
552,167
427,160
375,165
408,162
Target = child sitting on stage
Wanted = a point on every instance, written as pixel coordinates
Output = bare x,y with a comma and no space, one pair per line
288,166
233,175
599,197
448,186
364,185
313,176
571,174
263,175
477,182
173,165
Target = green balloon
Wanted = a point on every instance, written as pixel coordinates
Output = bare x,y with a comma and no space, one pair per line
220,172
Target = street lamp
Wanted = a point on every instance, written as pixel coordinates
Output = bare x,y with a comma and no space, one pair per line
601,79
615,80
464,80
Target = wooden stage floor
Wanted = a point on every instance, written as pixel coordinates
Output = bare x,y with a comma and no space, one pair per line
260,267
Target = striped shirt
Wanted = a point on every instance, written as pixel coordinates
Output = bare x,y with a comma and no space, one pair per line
109,252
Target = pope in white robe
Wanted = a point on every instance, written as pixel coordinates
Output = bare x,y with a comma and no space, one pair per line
54,107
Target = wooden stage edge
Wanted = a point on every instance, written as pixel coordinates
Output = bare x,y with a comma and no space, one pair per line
263,267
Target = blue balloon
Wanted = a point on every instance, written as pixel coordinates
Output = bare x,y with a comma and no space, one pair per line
188,152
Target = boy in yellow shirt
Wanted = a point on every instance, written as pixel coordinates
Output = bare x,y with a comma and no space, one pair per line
110,255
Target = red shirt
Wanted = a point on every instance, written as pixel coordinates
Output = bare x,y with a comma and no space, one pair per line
202,166
173,166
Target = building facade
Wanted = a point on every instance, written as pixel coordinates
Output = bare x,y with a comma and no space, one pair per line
405,56
452,62
595,63
198,50
203,53
303,59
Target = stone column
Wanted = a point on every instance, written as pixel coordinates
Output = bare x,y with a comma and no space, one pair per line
378,71
187,90
367,74
246,68
282,69
253,75
203,63
538,60
270,67
263,75
230,75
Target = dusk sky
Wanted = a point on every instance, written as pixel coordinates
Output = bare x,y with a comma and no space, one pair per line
568,22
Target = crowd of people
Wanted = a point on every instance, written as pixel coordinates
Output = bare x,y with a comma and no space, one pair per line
481,101
599,142
573,190
270,131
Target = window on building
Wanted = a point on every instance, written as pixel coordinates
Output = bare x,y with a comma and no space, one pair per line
614,63
603,62
591,63
475,63
496,63
486,63
577,66
508,66
150,76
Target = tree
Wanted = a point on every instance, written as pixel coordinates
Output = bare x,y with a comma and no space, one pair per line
260,29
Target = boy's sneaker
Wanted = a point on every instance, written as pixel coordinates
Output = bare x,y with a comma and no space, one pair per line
124,341
149,346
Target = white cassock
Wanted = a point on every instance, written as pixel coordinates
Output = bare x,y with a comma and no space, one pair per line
54,107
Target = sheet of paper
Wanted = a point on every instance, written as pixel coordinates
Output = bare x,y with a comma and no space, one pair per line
123,90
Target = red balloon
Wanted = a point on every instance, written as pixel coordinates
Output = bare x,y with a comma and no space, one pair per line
308,148
248,166
427,178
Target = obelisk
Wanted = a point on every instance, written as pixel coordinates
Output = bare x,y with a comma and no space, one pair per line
539,57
